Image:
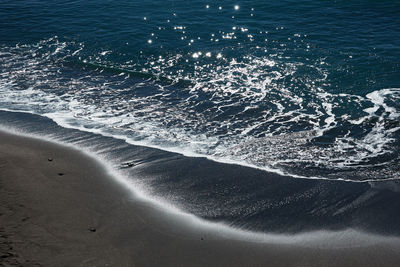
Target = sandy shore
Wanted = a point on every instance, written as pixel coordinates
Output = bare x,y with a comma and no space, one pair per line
60,208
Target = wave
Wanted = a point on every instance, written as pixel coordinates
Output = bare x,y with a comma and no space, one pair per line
253,111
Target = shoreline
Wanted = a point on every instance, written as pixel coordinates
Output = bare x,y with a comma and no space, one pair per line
60,206
213,192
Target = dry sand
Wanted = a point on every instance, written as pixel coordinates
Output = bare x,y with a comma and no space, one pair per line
67,211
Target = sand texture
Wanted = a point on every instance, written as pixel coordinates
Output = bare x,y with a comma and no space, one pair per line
59,207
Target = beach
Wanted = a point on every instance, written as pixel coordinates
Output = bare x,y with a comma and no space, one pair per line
157,133
59,207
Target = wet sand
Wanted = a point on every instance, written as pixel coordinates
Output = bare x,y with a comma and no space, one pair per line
59,207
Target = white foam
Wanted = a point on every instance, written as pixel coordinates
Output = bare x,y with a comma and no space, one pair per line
266,141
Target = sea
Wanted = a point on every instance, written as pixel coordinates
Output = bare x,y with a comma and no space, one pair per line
267,116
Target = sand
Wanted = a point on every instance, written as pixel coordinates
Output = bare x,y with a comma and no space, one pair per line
59,207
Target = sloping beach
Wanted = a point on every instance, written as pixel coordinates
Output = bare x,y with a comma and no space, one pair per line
60,207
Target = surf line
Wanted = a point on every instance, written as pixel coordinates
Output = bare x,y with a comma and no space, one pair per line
190,154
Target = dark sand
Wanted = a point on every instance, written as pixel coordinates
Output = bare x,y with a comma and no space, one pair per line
69,212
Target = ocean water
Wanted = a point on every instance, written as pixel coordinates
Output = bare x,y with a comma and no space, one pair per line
299,99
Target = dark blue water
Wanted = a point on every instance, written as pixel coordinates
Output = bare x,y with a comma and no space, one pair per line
307,89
